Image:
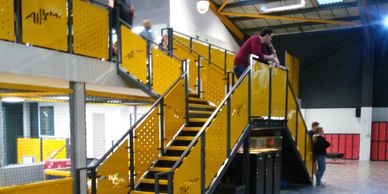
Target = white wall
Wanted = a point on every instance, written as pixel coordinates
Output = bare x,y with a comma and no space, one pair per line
185,18
380,114
335,120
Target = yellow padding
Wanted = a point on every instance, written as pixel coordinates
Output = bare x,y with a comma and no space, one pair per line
59,186
62,173
45,23
28,147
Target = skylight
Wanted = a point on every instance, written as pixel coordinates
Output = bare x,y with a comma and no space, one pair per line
324,2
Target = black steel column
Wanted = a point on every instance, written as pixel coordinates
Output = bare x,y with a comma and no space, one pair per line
18,20
70,26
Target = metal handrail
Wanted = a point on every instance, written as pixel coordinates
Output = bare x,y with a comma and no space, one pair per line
156,103
212,45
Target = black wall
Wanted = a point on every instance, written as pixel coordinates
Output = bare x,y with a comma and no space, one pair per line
331,67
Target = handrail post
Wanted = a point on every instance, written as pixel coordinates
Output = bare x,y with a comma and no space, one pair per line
191,44
94,181
286,104
156,184
161,117
225,61
270,94
199,80
69,26
228,116
169,186
203,163
186,71
131,163
210,54
170,46
110,27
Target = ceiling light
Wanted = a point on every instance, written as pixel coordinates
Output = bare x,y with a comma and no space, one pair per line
283,5
61,97
386,21
324,2
203,6
12,99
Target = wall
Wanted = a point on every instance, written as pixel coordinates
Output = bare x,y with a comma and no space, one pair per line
158,11
185,18
380,114
380,84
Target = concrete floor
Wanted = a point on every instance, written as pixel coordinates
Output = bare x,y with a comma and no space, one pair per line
345,176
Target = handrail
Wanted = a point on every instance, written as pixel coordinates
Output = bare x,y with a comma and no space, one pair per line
198,54
212,45
102,159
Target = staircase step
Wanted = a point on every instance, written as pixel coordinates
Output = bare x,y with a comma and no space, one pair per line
144,192
205,112
198,120
177,148
201,106
159,169
152,181
168,158
197,101
193,95
191,129
184,138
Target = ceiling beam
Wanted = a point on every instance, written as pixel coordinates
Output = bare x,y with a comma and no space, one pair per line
222,6
257,29
302,11
271,17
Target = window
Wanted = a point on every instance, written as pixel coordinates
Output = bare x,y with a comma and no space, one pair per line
46,120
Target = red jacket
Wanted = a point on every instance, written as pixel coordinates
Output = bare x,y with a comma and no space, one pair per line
251,46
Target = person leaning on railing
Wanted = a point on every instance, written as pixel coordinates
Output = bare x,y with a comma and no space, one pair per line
257,45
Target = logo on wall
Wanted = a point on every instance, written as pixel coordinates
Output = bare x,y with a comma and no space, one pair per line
42,16
132,53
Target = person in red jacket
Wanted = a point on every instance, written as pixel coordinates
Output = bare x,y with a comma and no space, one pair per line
256,45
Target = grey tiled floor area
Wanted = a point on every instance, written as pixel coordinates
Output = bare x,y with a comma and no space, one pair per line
353,177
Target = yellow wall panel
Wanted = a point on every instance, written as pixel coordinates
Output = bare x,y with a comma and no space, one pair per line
309,155
146,148
213,83
184,53
113,173
28,147
215,145
182,40
59,186
218,57
239,111
165,71
52,147
301,136
279,86
260,89
201,49
295,80
134,55
90,26
174,110
291,115
187,178
7,26
230,61
45,23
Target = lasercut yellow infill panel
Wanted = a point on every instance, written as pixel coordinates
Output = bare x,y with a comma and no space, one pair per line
187,178
289,65
53,147
146,143
218,57
215,146
45,23
260,89
184,53
301,136
174,110
295,81
201,49
279,86
134,55
90,26
28,147
59,186
213,83
7,26
230,61
239,111
291,115
182,40
113,173
309,155
165,71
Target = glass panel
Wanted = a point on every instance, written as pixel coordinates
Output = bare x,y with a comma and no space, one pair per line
187,178
215,145
165,71
279,85
46,120
239,111
260,89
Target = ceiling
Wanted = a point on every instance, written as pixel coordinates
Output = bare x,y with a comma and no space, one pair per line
312,17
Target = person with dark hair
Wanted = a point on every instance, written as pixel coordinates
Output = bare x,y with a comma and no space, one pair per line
320,146
314,125
256,45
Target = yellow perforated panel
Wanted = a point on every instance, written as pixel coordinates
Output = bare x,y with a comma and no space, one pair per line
230,61
218,57
7,31
28,147
239,111
146,143
295,81
309,155
134,55
45,23
201,49
184,53
213,83
53,147
59,186
260,89
113,173
291,115
182,40
165,71
90,26
187,178
215,146
174,110
279,85
301,136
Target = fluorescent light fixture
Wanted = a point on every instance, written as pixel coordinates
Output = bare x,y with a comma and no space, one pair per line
324,2
386,21
283,5
61,98
12,99
203,6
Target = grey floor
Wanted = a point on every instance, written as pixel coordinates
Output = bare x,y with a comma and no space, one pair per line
347,176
